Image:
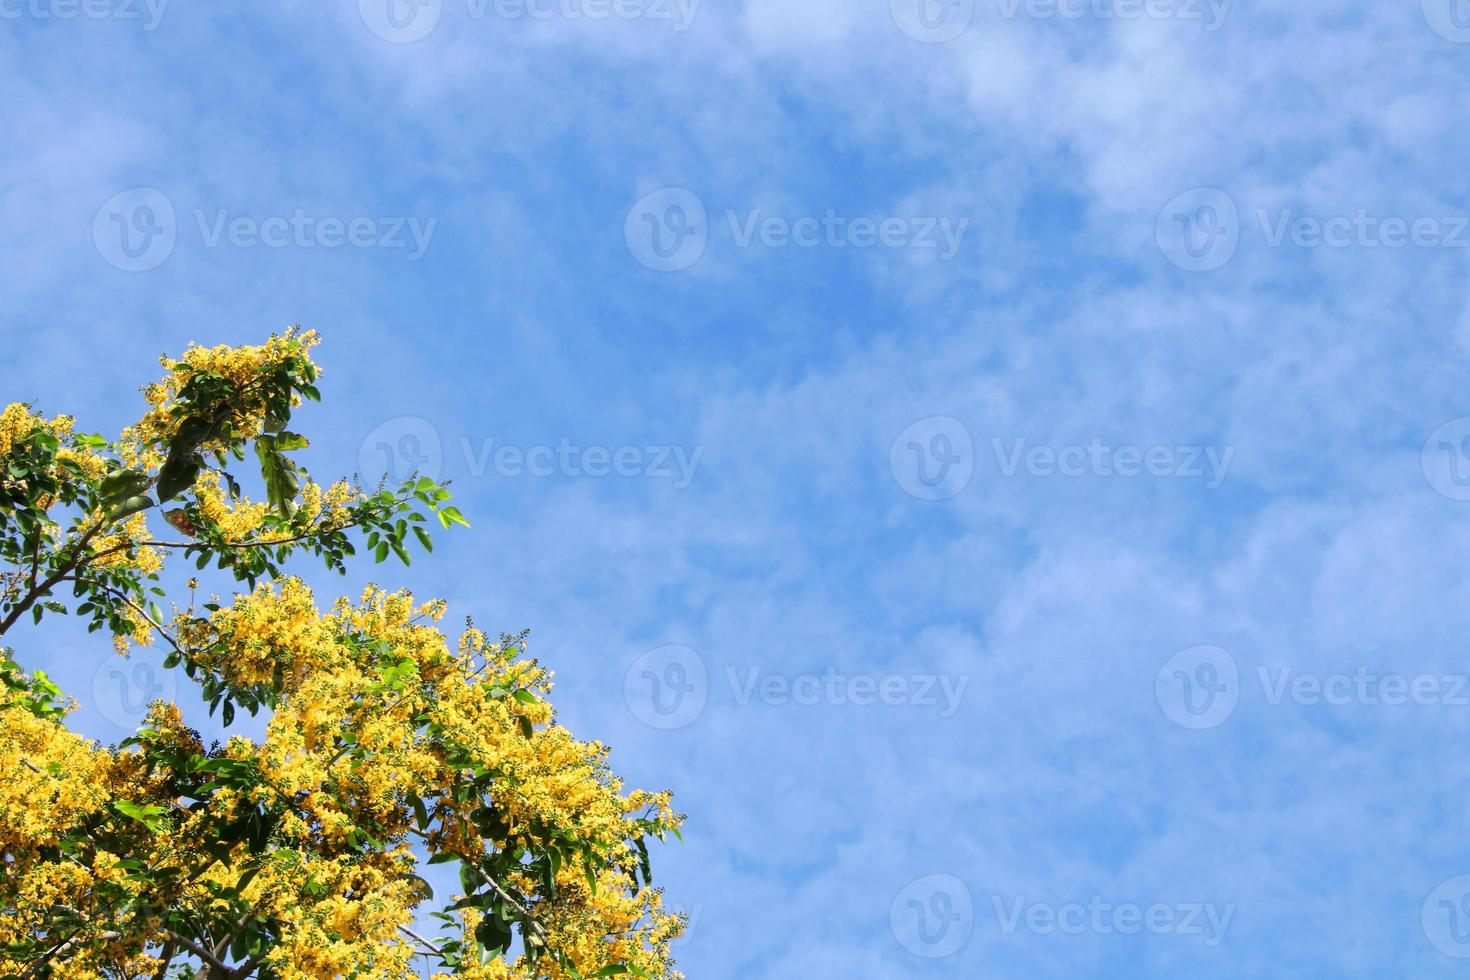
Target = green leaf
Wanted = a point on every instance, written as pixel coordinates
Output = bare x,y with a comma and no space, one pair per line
129,809
282,479
493,933
643,862
129,507
121,485
287,441
146,815
420,813
178,474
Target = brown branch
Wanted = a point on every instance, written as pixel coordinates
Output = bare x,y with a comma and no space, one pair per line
165,957
243,970
37,591
204,954
242,545
63,947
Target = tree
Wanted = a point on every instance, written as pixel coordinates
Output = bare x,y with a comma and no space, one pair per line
386,744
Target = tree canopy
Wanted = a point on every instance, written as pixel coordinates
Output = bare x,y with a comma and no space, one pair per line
387,743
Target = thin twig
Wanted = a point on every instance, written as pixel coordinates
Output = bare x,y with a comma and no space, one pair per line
421,940
144,613
526,917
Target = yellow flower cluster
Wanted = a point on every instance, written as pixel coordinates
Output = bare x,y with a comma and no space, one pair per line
236,520
17,422
92,465
54,781
240,366
266,632
36,807
333,675
337,911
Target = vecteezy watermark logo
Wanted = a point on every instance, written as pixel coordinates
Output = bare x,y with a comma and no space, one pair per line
1364,687
149,13
1450,19
1446,918
667,687
124,687
1362,229
409,445
399,448
934,458
302,230
136,230
1446,459
1205,463
680,13
932,21
933,916
1199,688
1098,917
832,230
1211,13
405,21
401,21
567,459
1202,686
668,230
942,691
1199,230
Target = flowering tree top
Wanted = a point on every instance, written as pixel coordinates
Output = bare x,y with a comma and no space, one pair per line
387,743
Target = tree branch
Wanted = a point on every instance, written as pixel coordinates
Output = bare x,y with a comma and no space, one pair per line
428,946
199,951
33,969
165,957
144,613
243,970
35,592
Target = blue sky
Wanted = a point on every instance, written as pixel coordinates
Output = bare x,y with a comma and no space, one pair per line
1030,523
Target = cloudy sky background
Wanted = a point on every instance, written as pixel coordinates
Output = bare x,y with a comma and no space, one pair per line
1097,299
